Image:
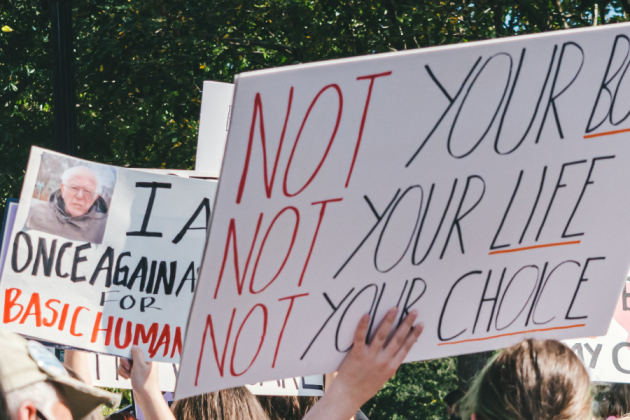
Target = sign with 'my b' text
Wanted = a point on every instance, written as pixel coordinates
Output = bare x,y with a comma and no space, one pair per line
484,185
103,258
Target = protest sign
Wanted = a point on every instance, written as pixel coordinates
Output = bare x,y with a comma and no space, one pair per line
482,185
607,358
7,227
104,373
102,258
214,122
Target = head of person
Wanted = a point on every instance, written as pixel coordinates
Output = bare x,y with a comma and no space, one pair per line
37,386
531,380
228,404
615,401
286,407
79,189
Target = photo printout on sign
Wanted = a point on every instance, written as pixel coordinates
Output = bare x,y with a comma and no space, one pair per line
102,258
482,185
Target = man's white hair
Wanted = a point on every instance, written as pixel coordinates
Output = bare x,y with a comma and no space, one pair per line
43,394
69,173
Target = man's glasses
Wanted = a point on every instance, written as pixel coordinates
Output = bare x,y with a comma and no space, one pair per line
75,191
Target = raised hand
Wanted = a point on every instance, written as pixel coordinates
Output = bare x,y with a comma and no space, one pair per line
367,367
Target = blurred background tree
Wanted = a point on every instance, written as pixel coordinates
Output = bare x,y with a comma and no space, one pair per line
140,65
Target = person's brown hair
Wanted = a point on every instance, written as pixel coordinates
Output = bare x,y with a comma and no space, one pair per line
531,380
615,401
286,407
228,404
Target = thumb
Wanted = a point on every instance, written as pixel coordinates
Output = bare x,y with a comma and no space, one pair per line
137,355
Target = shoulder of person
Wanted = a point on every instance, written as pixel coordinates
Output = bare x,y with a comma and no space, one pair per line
40,211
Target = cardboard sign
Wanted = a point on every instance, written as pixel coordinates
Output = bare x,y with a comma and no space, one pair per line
607,358
214,122
104,373
102,258
7,227
483,185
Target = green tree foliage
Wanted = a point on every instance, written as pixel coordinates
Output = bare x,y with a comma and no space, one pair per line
140,65
415,392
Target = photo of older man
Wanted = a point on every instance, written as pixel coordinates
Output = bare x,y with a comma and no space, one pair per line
75,211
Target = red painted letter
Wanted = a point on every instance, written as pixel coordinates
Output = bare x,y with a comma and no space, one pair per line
371,77
9,302
73,324
262,339
286,318
214,345
268,182
33,304
96,329
231,237
319,223
297,139
262,246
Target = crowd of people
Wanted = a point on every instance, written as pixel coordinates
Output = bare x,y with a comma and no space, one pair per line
530,380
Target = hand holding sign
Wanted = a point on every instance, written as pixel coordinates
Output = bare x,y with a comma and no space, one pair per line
146,385
366,368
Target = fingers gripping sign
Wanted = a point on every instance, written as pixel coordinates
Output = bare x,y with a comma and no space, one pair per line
145,383
367,367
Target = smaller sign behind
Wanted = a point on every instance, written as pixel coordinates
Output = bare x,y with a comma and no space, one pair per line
104,372
214,122
607,358
102,258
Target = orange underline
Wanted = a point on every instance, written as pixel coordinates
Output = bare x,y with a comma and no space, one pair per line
504,251
607,133
514,333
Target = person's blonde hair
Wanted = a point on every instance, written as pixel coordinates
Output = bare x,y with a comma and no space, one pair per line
531,380
228,404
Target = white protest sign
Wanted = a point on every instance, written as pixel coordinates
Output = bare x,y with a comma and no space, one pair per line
607,358
216,104
304,386
483,185
104,373
102,258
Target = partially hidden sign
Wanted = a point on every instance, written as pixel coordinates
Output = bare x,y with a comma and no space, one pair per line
102,258
104,373
607,358
484,185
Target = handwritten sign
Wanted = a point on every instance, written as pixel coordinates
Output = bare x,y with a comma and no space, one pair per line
102,258
607,358
104,373
483,185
